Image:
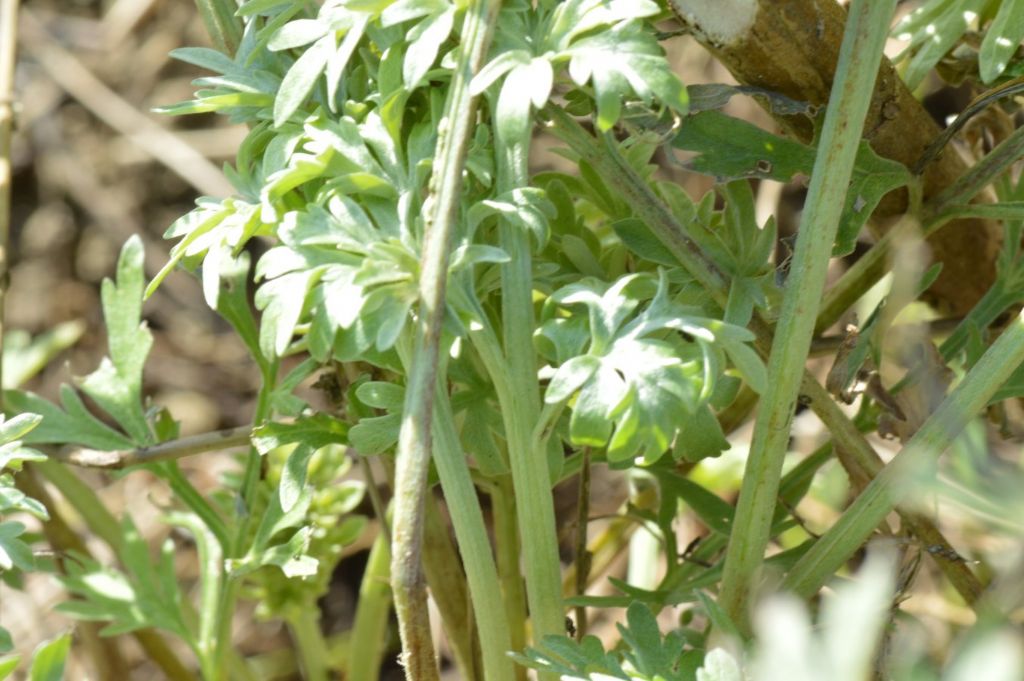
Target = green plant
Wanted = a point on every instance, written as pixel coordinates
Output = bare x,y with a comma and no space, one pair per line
496,332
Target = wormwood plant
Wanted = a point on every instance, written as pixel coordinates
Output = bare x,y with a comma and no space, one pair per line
493,332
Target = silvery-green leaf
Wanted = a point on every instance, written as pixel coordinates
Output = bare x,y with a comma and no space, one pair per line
424,41
300,79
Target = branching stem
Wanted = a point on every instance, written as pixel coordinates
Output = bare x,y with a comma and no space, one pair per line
170,450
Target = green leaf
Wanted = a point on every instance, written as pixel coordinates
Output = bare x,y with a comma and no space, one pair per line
640,240
291,556
116,386
193,227
381,395
749,364
526,207
1002,39
296,34
407,10
300,79
6,645
318,430
17,426
599,397
293,476
73,424
498,67
231,300
425,40
24,356
622,60
264,7
13,455
13,499
49,658
730,149
204,57
570,376
14,553
283,301
636,392
512,113
143,595
700,436
713,511
873,178
719,666
310,433
651,654
936,36
710,96
376,434
8,665
339,58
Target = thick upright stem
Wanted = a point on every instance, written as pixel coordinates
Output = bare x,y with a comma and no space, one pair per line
859,58
514,373
414,443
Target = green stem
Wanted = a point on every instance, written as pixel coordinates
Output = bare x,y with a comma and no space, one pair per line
370,630
891,485
982,173
211,571
474,547
862,275
519,398
86,503
235,546
414,442
531,483
304,626
995,301
506,539
859,59
863,464
189,496
169,450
